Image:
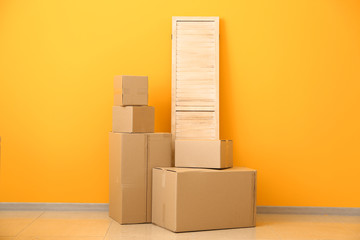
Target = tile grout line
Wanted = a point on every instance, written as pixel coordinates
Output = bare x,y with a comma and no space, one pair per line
107,231
17,235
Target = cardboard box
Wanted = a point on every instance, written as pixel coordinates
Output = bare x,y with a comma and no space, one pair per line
127,177
137,119
132,157
189,199
158,155
204,153
130,90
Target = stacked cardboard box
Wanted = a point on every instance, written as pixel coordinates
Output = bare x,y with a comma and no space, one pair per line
134,151
203,191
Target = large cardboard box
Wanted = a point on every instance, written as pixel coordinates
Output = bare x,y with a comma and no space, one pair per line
132,157
158,155
137,119
127,177
130,90
204,153
189,199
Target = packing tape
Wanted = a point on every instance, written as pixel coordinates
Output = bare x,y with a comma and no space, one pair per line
227,150
163,213
163,179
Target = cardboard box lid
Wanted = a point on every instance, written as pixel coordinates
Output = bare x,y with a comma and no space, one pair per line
184,170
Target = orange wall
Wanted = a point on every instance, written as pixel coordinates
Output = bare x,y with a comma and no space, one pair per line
290,92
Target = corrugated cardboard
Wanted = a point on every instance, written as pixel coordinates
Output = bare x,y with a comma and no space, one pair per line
130,90
159,155
190,199
132,157
137,119
204,153
127,175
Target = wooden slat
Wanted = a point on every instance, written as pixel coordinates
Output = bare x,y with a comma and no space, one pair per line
195,109
194,69
193,25
208,56
197,32
194,45
194,104
196,39
200,65
194,76
195,82
183,89
185,93
197,60
194,98
184,101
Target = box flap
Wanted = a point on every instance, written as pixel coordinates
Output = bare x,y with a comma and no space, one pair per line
180,170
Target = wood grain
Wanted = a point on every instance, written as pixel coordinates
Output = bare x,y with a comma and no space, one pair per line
195,78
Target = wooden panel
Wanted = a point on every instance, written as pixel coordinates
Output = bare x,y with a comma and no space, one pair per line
195,78
195,125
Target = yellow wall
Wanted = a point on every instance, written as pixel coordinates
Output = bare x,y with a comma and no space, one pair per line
290,92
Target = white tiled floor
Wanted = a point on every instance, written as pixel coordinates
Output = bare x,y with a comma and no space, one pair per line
62,225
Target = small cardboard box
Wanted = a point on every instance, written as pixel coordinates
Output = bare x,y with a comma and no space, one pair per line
132,157
188,199
130,90
137,119
204,153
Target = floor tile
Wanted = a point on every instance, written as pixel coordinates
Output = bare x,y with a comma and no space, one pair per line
150,231
139,231
345,219
76,215
13,222
7,238
57,238
81,225
327,227
69,224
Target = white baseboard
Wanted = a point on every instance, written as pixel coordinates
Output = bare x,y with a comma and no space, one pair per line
19,206
16,206
308,210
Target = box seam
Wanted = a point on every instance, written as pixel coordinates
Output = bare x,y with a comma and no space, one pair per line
176,201
122,92
146,175
254,207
